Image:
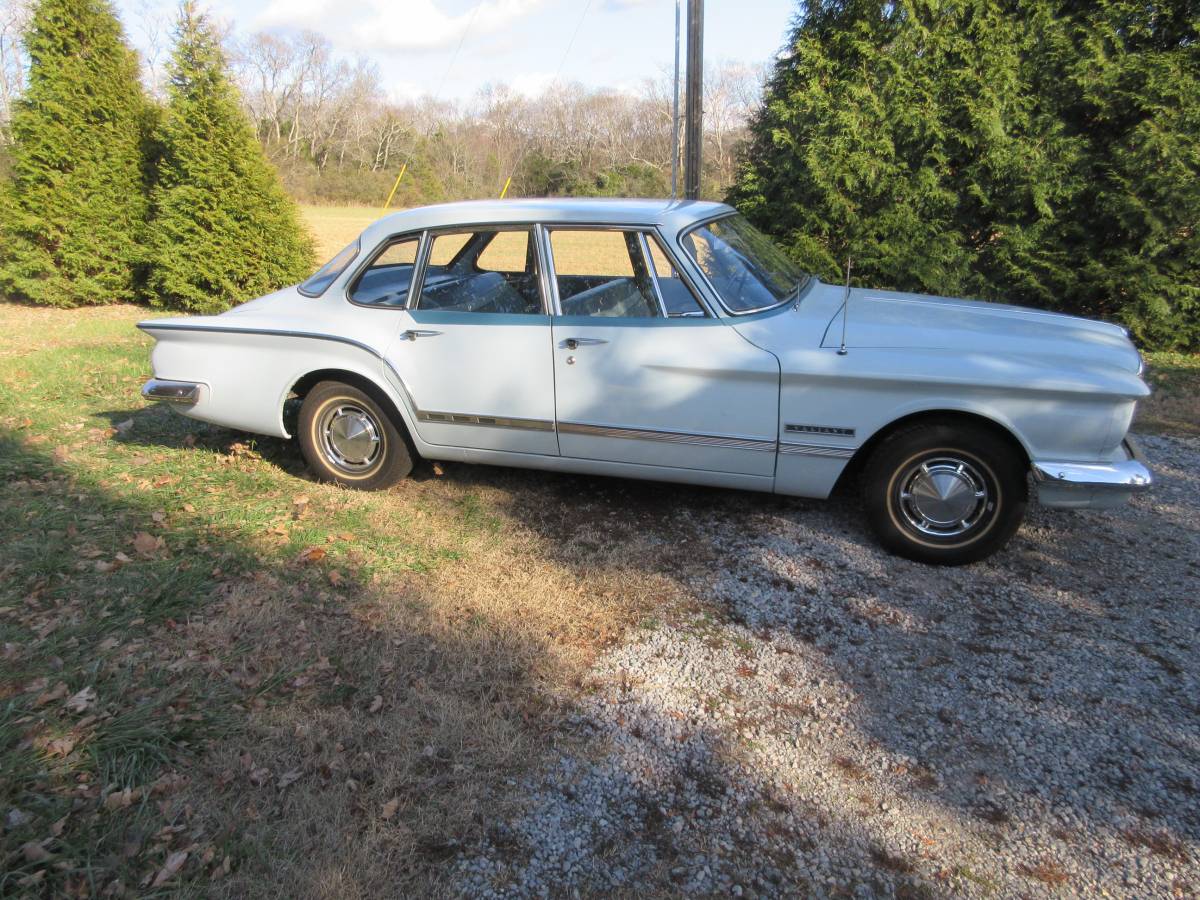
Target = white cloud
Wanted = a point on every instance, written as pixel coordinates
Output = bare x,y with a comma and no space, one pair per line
386,25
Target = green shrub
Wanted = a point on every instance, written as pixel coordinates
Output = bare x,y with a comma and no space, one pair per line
222,230
72,212
1042,152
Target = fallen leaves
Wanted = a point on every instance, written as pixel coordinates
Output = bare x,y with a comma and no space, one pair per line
122,799
57,693
376,704
310,555
170,868
34,852
147,544
390,808
81,701
288,778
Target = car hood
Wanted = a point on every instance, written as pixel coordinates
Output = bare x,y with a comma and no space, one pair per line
892,320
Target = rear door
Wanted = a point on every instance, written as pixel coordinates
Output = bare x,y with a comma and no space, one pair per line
643,372
473,347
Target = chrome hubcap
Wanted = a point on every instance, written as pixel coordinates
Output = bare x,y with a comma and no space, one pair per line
943,497
350,437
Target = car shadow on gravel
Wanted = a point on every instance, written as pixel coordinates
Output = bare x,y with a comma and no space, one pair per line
1037,712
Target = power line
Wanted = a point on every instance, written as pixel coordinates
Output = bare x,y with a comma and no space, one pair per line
557,72
437,96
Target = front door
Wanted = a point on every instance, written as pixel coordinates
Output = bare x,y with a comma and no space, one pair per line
473,346
643,373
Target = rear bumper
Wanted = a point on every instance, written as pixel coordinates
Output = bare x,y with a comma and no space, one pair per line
186,393
1093,485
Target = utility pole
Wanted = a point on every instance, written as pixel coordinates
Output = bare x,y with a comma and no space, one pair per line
694,100
675,114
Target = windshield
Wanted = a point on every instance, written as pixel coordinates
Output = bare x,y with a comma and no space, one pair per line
745,267
328,273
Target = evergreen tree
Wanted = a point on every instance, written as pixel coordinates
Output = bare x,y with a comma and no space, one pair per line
223,230
1033,151
73,210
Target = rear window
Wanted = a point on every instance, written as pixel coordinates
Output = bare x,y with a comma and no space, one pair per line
328,273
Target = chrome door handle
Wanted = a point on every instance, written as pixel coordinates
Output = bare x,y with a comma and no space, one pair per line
413,333
576,343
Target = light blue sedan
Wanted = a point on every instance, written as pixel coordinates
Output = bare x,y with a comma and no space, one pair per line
672,341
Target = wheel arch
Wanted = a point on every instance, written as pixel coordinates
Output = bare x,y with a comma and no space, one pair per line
300,388
928,416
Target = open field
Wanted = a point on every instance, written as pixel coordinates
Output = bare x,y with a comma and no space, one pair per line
333,227
224,679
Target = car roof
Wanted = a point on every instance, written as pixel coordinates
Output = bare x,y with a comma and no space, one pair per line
670,214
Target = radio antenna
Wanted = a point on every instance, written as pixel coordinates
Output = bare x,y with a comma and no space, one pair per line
842,351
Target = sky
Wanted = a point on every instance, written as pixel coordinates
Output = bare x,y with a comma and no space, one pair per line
522,43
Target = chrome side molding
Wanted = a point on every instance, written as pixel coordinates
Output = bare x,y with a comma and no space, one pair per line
671,437
445,418
185,392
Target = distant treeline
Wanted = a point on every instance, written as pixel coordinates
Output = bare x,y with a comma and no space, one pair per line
329,126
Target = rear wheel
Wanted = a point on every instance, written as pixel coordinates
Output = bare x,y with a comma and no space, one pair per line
348,438
945,494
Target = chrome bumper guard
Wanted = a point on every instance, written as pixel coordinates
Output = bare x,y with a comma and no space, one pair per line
1093,484
184,392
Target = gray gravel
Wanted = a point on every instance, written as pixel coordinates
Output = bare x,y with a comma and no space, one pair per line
832,721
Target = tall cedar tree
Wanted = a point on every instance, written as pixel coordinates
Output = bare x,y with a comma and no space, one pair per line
222,228
73,212
1034,151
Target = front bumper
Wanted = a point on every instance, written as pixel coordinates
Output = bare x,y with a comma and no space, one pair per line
1093,485
183,392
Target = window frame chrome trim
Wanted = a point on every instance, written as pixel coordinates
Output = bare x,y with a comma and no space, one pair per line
649,264
431,234
656,230
380,249
349,264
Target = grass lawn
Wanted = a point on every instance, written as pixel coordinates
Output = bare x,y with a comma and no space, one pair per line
1175,403
224,678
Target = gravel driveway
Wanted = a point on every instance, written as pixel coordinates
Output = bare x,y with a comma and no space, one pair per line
829,720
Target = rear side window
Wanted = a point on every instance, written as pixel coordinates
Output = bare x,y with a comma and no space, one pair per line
386,281
326,275
485,271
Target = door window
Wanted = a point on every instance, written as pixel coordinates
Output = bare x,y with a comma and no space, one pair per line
602,273
484,271
677,296
386,281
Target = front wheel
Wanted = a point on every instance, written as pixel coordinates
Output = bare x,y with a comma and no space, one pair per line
943,494
348,438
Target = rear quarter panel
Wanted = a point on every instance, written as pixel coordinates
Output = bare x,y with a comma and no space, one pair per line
246,377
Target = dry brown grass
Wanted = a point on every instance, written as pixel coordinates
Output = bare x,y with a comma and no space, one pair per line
333,227
421,697
1174,405
353,719
583,253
